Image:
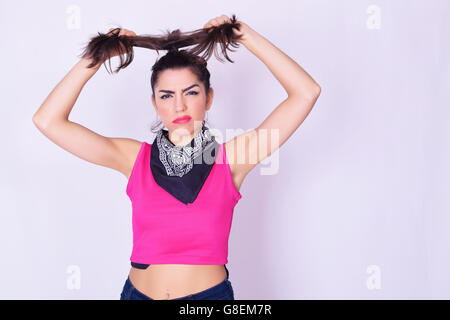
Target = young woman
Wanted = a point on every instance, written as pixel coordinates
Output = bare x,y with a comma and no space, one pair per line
185,185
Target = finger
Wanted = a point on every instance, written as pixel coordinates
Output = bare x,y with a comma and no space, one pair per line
226,18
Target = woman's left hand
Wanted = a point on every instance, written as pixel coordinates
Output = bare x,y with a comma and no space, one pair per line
243,29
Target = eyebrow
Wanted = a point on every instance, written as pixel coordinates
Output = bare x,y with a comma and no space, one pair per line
170,91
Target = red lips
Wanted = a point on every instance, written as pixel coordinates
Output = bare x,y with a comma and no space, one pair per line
182,119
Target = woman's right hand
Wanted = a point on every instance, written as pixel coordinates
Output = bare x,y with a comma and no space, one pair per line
123,32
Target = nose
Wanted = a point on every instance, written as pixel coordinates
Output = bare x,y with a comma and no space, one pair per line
179,104
180,107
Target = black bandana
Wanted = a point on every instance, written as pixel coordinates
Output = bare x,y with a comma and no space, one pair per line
182,170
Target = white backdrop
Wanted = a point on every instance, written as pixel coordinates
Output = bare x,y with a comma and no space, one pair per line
357,208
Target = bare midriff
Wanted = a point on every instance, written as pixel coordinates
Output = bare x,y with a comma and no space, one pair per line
171,281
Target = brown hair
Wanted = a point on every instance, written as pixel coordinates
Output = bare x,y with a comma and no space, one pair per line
101,47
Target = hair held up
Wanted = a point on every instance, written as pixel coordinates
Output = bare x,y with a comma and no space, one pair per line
101,48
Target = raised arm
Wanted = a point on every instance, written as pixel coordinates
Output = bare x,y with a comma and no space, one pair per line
245,151
52,119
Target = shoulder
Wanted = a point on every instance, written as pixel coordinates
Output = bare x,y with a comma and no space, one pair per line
131,149
237,173
229,150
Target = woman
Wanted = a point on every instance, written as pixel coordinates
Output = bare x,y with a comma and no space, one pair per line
185,185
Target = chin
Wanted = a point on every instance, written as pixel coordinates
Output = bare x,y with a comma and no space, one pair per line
182,129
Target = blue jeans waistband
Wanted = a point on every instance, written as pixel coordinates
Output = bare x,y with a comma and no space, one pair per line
220,291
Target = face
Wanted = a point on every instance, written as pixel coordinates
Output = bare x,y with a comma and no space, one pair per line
179,93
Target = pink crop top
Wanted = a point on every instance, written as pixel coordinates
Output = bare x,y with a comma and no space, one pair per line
167,231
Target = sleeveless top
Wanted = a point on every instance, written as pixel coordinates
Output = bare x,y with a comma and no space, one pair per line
168,231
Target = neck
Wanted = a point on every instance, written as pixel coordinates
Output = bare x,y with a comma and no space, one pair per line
182,141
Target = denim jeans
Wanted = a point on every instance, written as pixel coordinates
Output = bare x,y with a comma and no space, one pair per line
221,291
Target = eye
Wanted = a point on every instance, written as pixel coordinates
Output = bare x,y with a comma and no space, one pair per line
195,93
